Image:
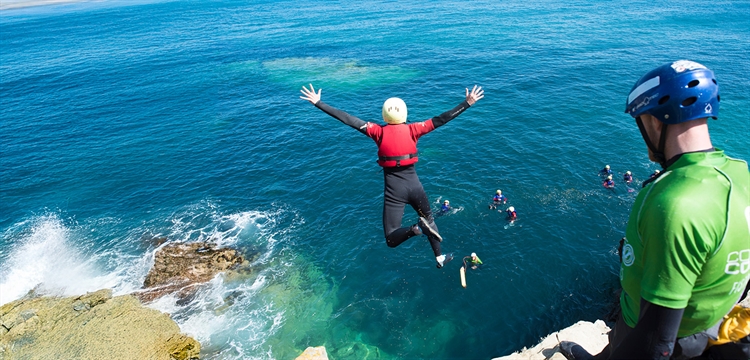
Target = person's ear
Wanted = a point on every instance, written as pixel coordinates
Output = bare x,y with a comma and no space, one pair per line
654,125
658,125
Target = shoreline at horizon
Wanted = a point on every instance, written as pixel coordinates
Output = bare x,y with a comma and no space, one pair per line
13,5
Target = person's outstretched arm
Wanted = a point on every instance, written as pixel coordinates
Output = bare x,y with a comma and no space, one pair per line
471,98
314,98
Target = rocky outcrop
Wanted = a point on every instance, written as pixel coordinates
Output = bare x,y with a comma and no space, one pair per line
98,326
91,326
179,268
194,262
591,336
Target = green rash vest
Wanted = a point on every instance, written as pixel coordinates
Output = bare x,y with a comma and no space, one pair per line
688,241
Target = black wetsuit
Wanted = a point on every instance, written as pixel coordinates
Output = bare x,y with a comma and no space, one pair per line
402,185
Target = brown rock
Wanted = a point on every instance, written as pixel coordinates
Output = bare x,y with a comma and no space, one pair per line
181,267
92,326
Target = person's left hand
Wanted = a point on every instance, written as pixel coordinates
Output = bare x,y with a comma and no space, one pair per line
311,96
476,94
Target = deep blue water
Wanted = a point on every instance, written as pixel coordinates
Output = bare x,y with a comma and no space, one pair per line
121,121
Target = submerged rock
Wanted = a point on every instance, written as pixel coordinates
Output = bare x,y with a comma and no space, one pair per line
179,268
358,350
91,326
157,241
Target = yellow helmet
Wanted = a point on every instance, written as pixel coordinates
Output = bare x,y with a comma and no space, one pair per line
394,111
446,202
511,209
499,192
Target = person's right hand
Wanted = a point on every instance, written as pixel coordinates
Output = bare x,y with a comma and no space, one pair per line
312,97
476,94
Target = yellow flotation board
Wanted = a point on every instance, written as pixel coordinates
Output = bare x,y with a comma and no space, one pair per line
463,276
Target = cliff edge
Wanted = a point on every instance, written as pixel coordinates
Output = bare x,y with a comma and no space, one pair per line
591,336
91,326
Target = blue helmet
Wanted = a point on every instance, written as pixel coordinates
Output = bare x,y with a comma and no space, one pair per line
675,93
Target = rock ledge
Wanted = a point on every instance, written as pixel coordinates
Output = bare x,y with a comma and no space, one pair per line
591,336
91,326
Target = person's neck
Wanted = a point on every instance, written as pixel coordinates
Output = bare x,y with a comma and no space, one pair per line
687,137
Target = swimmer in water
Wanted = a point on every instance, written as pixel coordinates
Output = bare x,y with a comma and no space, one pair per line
498,199
628,177
608,182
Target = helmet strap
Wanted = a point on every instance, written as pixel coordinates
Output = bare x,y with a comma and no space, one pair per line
657,152
662,141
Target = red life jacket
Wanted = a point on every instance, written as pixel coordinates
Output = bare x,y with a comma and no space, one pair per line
397,146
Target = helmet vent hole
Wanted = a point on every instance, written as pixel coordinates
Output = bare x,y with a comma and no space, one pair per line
689,101
718,97
663,100
693,83
714,80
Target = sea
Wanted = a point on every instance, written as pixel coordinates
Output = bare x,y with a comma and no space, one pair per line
126,121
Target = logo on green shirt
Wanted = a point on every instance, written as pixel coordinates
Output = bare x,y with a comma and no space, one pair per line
627,255
738,262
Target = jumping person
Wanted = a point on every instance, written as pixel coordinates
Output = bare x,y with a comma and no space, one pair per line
682,270
397,154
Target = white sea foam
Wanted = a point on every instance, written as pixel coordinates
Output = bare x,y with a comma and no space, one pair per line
227,315
235,317
45,257
204,222
232,318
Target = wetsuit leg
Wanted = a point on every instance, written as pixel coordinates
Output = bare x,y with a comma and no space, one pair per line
652,338
395,197
419,202
393,211
616,336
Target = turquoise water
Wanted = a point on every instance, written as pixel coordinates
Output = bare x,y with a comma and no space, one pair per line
122,121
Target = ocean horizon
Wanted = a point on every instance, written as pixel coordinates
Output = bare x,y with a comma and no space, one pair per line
124,121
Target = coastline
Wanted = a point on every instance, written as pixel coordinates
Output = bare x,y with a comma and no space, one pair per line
14,5
94,325
130,121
